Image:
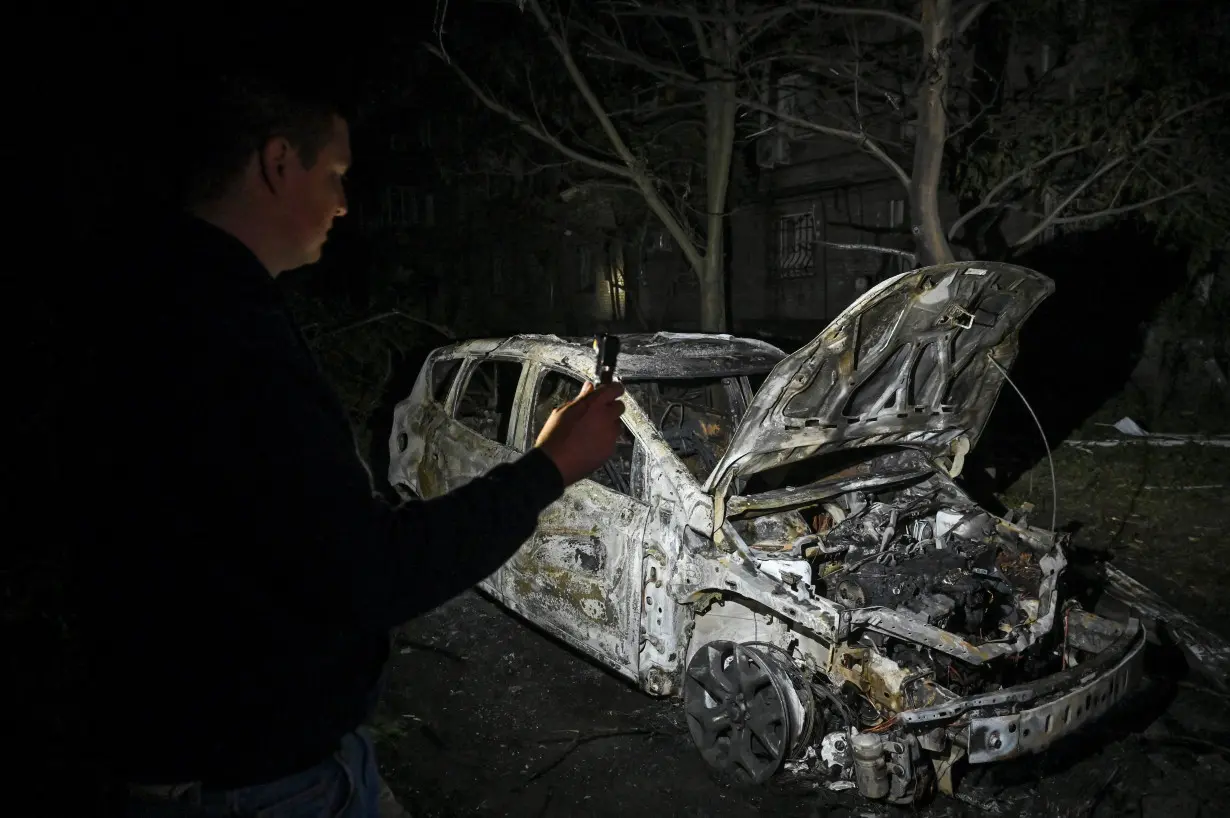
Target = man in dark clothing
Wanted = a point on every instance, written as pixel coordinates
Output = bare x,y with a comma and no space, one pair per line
240,575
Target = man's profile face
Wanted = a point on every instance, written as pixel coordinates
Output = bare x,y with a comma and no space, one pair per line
315,196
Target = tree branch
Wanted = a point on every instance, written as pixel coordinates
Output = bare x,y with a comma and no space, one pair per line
1071,197
524,124
882,13
634,171
861,139
581,188
989,200
1053,217
970,16
1116,211
875,248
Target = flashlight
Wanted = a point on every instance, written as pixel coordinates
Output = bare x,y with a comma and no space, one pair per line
606,351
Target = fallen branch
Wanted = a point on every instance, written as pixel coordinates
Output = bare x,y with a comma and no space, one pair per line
577,739
408,645
1093,802
1199,688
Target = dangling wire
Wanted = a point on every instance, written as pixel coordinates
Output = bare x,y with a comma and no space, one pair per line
1049,459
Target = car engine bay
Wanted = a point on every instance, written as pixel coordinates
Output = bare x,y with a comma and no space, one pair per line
923,554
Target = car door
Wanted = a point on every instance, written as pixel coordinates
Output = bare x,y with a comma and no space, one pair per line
414,467
579,575
477,435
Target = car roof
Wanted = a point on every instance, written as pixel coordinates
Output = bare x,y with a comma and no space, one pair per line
641,355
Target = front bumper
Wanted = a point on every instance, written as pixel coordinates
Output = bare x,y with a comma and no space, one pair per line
993,727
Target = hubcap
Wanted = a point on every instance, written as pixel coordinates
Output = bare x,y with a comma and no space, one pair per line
735,700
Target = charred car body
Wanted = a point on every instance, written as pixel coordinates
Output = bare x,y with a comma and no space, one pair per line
780,541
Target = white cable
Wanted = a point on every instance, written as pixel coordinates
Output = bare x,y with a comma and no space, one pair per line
1049,459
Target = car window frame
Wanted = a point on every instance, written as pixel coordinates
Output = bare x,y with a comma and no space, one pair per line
640,452
516,422
430,391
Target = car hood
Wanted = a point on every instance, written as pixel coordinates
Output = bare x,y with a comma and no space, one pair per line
910,363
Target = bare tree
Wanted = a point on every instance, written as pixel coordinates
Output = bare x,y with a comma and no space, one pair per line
1047,124
673,146
881,80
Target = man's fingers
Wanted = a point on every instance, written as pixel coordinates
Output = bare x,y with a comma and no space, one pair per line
586,388
609,392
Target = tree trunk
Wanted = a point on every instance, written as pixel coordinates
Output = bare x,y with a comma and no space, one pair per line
720,110
713,290
992,39
930,135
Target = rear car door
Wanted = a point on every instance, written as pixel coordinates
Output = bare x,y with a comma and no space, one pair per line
478,432
579,576
414,467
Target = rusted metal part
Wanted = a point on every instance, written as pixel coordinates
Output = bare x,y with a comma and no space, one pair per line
894,624
1126,648
1096,690
1089,632
865,479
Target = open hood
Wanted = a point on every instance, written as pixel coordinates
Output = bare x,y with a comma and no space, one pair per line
907,364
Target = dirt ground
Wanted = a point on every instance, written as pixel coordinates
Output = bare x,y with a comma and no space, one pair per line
484,715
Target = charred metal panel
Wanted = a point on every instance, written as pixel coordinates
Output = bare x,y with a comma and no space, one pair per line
641,355
574,576
664,623
908,363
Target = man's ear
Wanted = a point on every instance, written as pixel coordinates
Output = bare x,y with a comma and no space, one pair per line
273,160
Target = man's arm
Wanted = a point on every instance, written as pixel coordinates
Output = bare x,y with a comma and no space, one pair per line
289,470
449,543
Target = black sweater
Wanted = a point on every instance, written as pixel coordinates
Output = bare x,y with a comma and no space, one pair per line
239,577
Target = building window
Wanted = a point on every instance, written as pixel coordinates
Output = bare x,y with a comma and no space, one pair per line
796,245
658,240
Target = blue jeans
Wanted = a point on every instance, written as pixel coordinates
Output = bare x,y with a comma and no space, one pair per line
345,786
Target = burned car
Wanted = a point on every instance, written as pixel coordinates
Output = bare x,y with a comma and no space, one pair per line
780,541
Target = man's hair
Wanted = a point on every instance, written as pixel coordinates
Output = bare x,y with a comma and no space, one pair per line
230,118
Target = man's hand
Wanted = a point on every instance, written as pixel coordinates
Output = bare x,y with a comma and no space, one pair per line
580,435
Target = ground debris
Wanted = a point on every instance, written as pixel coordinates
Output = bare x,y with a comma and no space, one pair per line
1100,795
1170,805
576,738
989,805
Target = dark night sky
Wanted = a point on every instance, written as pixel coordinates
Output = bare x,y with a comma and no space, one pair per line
106,86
